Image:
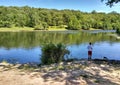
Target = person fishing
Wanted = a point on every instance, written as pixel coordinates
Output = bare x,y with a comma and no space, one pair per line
90,48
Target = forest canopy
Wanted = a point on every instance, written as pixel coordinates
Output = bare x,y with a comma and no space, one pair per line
43,18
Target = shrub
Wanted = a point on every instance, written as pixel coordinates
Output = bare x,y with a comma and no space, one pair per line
118,31
53,53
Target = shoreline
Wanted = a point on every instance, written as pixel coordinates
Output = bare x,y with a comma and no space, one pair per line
115,35
28,29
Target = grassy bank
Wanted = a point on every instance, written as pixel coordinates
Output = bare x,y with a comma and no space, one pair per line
15,29
50,28
56,28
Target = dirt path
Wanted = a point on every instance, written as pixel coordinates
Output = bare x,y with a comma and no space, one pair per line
80,74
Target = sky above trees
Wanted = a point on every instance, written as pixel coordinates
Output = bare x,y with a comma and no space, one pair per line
82,5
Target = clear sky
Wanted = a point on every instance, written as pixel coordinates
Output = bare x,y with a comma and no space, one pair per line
82,5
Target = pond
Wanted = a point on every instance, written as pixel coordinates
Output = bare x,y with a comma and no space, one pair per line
24,47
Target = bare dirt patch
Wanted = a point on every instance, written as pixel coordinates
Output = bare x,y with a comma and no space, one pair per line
72,73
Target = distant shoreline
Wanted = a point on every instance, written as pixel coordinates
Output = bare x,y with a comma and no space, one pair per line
27,29
115,35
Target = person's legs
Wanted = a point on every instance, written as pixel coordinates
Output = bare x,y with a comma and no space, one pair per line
89,55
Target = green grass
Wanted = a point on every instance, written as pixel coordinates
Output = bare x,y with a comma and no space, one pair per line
56,28
16,29
93,29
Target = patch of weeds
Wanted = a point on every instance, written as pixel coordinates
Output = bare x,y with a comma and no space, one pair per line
26,67
82,66
77,67
57,68
45,70
69,67
97,81
6,65
53,68
61,68
85,76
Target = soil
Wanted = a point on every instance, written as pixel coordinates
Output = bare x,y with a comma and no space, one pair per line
70,73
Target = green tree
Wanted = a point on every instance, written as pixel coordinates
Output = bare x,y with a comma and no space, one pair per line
111,2
73,24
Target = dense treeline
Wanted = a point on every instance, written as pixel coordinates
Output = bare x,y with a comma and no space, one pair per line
43,18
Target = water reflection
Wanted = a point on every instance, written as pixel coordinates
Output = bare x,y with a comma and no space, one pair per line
25,47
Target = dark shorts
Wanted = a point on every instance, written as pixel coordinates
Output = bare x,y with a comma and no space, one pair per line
90,53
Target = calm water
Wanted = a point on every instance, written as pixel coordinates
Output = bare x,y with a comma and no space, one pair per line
24,47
